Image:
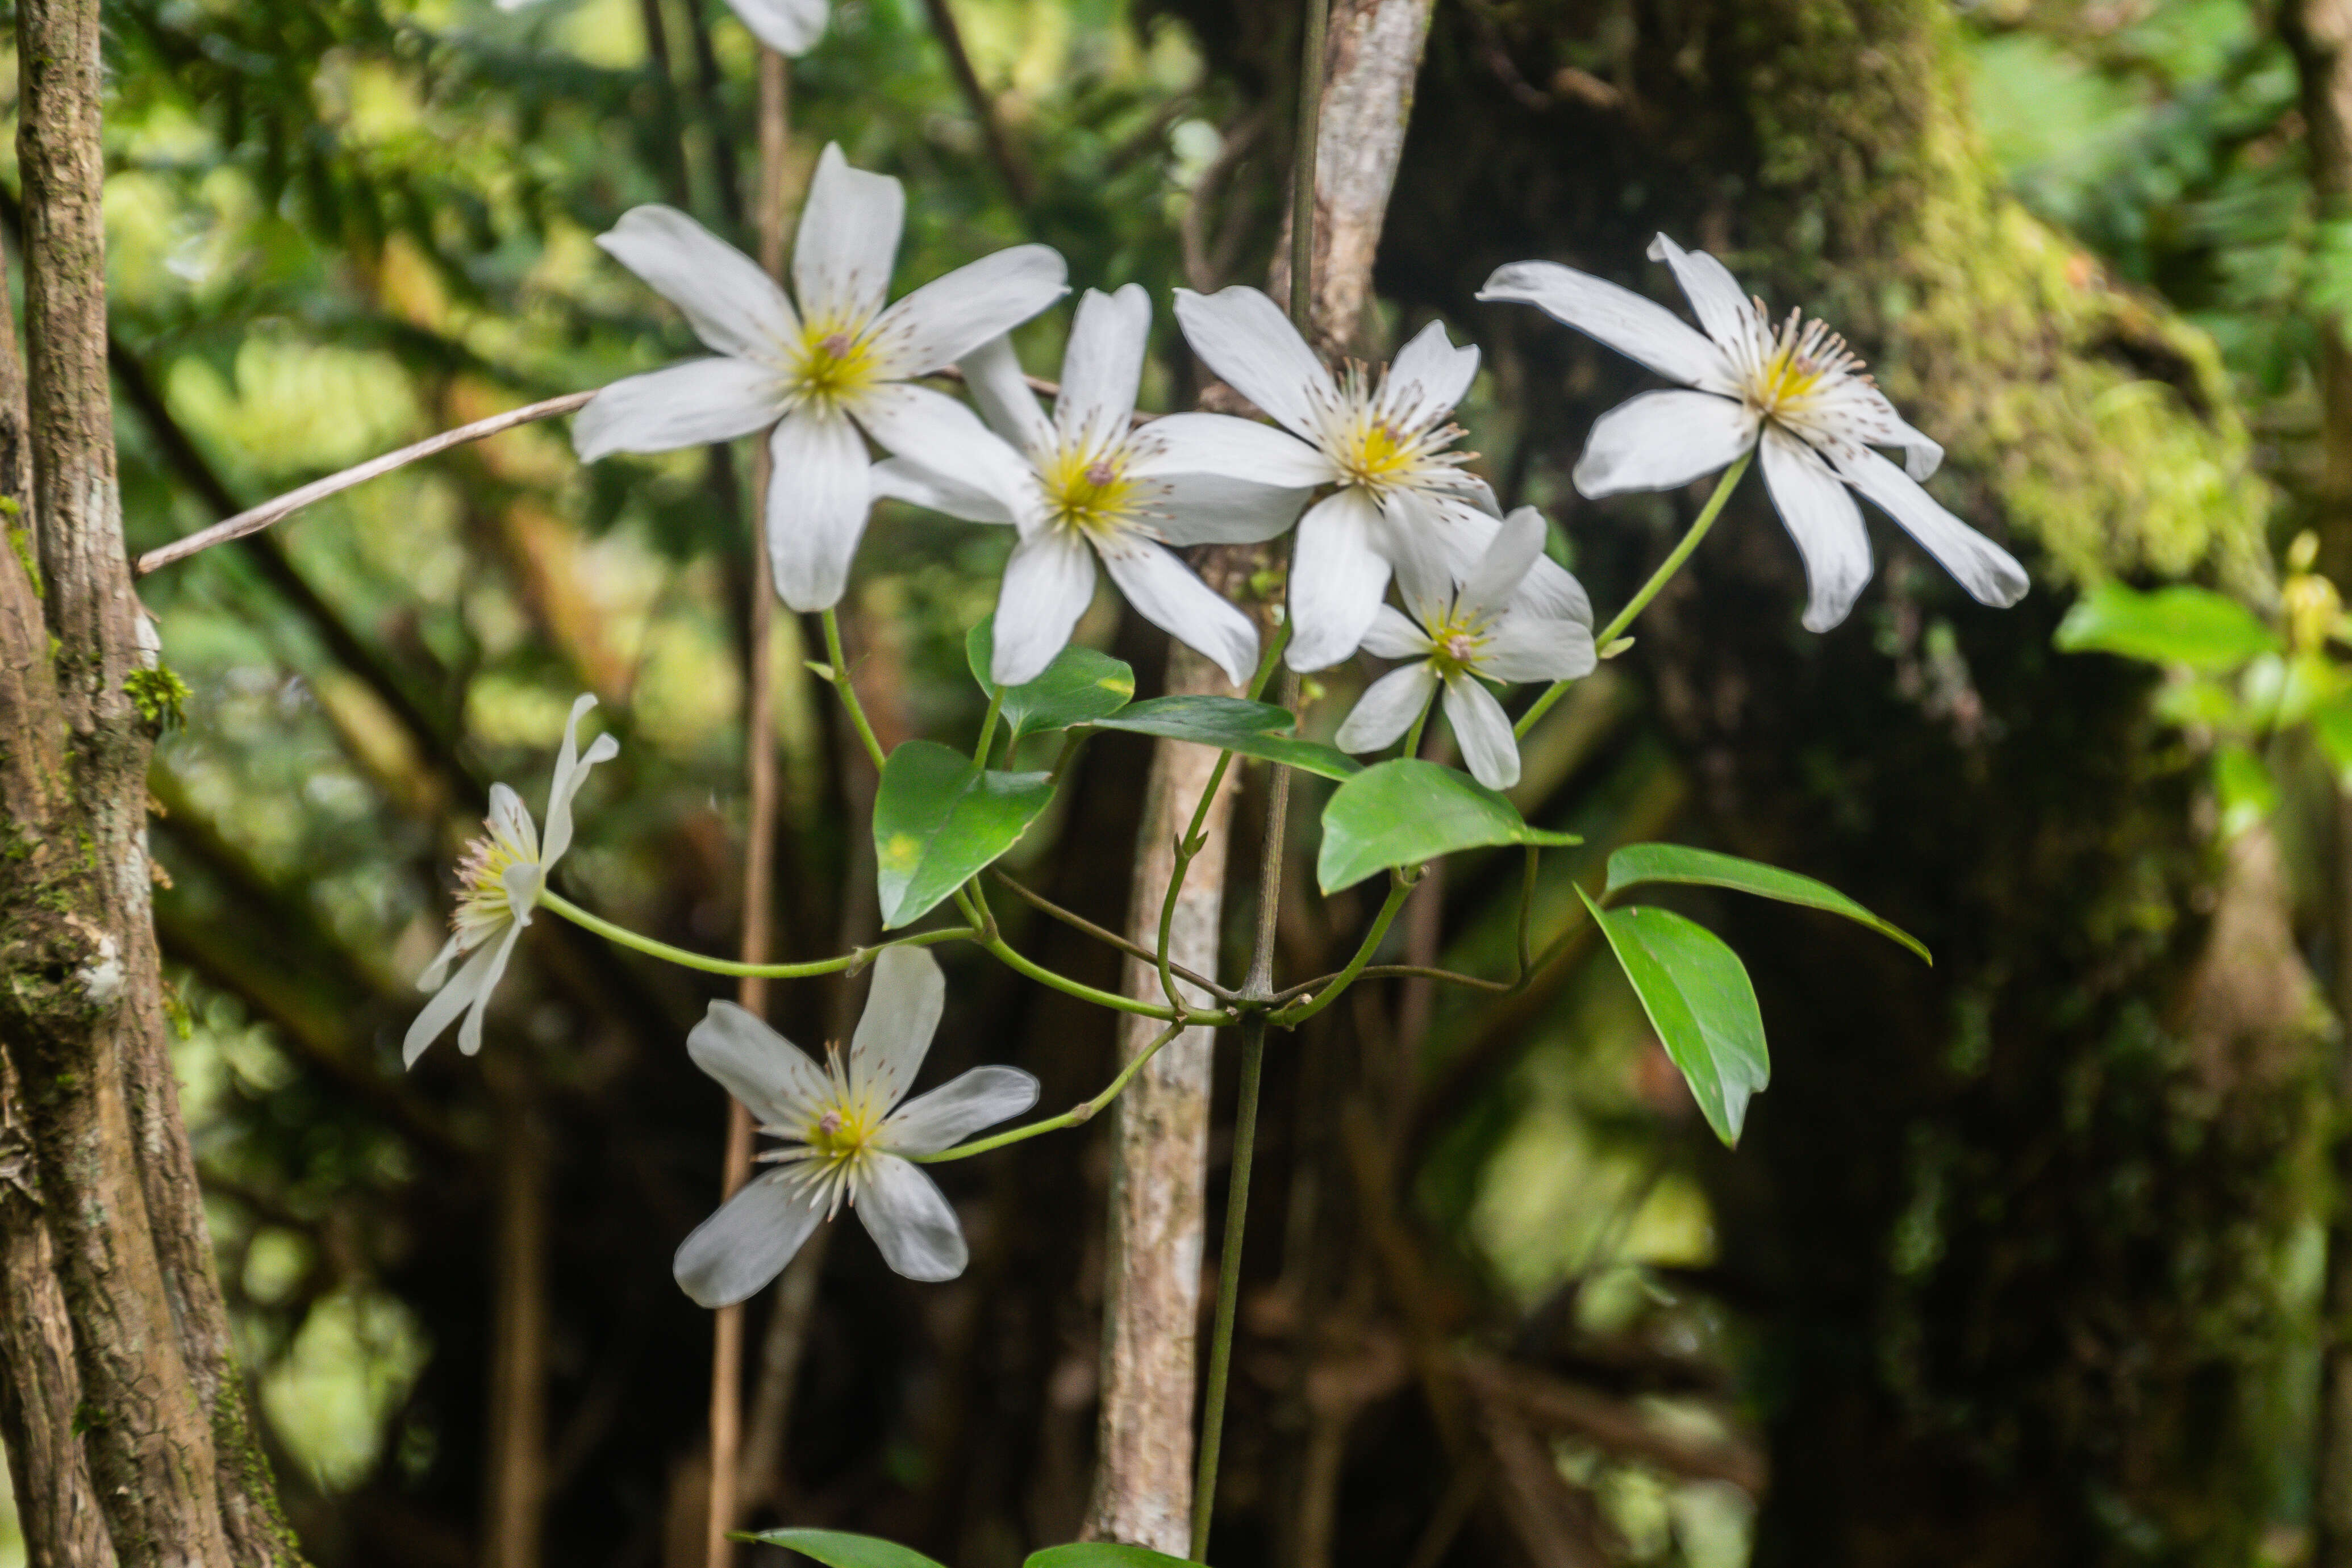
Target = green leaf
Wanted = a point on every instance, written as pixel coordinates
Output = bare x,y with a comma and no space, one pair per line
938,820
1103,1554
1253,728
2331,725
2178,624
1698,997
838,1549
2248,793
1638,863
1079,686
1407,811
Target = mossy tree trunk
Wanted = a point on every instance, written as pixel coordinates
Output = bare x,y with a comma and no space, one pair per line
124,1416
2014,1227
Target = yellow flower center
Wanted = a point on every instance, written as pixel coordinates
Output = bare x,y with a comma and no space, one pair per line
1458,640
833,361
1087,493
1787,378
482,888
1376,452
1795,363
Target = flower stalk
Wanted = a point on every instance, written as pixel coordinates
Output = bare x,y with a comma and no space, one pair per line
856,958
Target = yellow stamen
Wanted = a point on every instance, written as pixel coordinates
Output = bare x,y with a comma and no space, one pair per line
1459,641
482,886
1087,493
834,361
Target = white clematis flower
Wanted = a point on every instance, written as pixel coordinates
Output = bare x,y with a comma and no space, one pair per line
1459,628
499,879
1087,484
1796,390
839,363
849,1136
1385,445
790,27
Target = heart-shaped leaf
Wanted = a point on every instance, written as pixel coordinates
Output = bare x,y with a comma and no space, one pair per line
838,1549
1104,1555
1231,724
1079,686
1638,863
1699,999
938,820
1405,812
2177,625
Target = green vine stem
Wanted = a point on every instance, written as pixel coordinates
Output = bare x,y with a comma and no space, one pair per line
1077,1116
991,940
1420,724
855,958
1658,580
988,728
839,675
1400,886
1229,1282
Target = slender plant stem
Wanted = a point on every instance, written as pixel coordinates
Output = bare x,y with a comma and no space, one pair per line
988,727
1077,1115
853,959
1077,921
1314,25
974,904
1420,724
1526,910
1658,580
1401,887
848,690
1229,1283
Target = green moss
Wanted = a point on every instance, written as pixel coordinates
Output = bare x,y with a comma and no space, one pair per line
160,695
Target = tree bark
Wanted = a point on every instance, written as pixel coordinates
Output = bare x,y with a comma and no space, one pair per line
1144,1443
160,1412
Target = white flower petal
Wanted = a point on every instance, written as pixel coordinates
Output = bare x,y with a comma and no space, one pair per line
735,1252
893,1033
1048,583
1824,520
570,773
992,373
1103,366
817,504
773,1077
469,1033
467,987
1336,578
1394,635
847,242
790,27
948,317
1922,453
509,822
1387,709
1637,328
1537,647
1713,293
733,306
959,1108
1548,588
1505,564
690,405
1662,441
1990,573
940,435
437,971
909,1219
1419,536
899,478
1473,489
1246,340
1236,449
1166,592
1483,730
1210,509
1429,376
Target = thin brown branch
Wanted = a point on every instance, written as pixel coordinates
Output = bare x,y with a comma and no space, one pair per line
254,519
1077,921
1009,167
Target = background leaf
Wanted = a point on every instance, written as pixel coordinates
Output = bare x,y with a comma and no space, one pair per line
1079,685
1229,723
1407,811
2177,625
1102,1554
838,1549
1638,863
1699,999
940,819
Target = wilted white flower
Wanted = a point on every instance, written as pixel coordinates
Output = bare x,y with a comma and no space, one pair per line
499,879
790,27
1384,444
842,361
1795,389
1458,629
1087,483
848,1136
